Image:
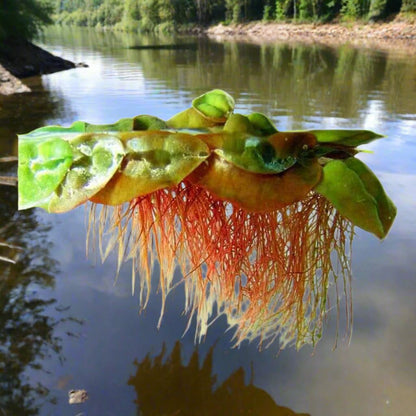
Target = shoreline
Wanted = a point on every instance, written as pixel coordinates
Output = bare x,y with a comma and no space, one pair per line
21,59
397,34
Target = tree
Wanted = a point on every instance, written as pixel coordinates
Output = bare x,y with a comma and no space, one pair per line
353,8
233,10
131,16
408,6
382,8
202,10
149,13
23,18
184,11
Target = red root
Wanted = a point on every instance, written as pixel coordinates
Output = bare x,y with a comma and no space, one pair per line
269,273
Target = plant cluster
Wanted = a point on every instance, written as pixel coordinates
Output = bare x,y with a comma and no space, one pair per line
258,221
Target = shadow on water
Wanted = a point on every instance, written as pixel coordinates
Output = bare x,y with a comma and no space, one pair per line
20,113
26,330
29,318
165,386
172,46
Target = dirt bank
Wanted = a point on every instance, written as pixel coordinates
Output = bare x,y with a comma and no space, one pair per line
21,59
9,84
395,34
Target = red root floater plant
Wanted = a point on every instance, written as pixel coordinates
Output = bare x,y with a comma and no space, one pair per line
259,222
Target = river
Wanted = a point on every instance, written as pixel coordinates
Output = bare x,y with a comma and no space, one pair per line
66,323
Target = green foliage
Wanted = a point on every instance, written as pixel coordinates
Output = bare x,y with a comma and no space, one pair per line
352,8
149,12
268,13
377,8
408,6
382,8
61,168
305,9
279,11
358,195
246,10
184,11
23,18
327,10
167,15
93,12
233,10
131,17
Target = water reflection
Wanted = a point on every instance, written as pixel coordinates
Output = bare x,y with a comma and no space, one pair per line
26,329
22,112
29,316
375,374
166,386
281,79
299,80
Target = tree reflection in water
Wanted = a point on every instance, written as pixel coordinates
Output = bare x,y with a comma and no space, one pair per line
165,386
27,331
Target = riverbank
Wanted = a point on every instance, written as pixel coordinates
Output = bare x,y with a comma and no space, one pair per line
20,59
399,33
9,84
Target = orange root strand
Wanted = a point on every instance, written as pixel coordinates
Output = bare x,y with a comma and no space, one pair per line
269,273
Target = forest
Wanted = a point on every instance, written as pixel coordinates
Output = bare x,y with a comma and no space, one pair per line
24,17
168,15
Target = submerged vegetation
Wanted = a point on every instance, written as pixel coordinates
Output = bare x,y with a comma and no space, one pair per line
168,15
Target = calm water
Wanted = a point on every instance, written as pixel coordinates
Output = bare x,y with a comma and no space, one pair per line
66,324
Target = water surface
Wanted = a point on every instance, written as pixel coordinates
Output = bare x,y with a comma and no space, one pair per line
66,323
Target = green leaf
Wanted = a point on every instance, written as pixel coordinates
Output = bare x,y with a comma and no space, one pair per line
253,154
351,138
265,155
124,124
386,209
97,157
215,104
358,195
262,124
57,131
154,160
190,119
43,163
237,123
256,124
138,123
145,122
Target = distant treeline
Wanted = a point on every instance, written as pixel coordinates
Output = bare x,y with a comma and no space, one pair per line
168,15
23,18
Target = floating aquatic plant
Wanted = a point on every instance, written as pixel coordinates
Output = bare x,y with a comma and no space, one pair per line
258,221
